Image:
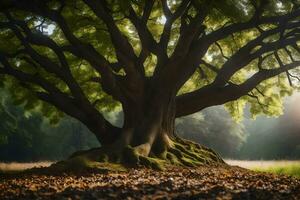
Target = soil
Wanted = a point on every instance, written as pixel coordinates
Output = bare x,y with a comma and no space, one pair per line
223,182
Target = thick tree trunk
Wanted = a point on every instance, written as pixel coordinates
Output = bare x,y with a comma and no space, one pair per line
149,124
147,136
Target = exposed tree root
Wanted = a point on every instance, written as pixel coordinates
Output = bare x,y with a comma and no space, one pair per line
180,153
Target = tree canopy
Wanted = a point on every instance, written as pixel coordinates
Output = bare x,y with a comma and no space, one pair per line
67,48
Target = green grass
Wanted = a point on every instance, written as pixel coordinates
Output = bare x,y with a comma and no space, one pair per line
291,168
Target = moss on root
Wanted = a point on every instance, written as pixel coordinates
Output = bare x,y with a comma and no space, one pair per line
82,163
180,153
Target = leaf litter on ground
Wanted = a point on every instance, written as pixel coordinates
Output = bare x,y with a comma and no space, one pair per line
224,182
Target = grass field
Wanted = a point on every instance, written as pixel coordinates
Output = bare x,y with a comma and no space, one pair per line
286,167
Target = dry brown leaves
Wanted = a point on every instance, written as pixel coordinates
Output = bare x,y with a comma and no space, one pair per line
175,183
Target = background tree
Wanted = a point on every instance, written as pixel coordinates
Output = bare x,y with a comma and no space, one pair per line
27,136
214,128
157,59
8,124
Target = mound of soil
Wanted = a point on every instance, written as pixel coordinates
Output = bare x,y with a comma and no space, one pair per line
175,183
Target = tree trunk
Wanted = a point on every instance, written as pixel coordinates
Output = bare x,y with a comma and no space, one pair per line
149,123
147,136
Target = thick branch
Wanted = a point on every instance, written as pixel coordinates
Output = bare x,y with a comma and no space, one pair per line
244,56
124,50
253,23
63,72
201,46
92,118
210,96
78,48
147,41
170,18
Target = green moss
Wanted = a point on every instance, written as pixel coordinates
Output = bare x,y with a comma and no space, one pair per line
153,163
132,157
83,163
192,154
189,162
182,153
176,152
162,155
173,159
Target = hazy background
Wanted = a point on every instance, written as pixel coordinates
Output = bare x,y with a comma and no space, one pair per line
28,137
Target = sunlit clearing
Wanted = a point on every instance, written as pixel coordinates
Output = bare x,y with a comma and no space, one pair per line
261,164
15,166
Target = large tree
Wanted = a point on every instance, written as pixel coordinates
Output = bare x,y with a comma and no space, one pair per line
158,59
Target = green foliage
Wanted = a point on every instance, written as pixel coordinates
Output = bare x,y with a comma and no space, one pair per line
90,29
86,27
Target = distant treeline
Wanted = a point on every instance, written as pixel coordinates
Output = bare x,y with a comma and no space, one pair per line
263,138
28,136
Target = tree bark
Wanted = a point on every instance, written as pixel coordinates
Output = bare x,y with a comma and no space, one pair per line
148,122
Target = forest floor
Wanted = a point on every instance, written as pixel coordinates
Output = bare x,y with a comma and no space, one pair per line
224,182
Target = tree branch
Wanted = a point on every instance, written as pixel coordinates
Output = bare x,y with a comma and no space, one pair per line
146,38
244,55
76,47
209,95
63,72
85,113
124,50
